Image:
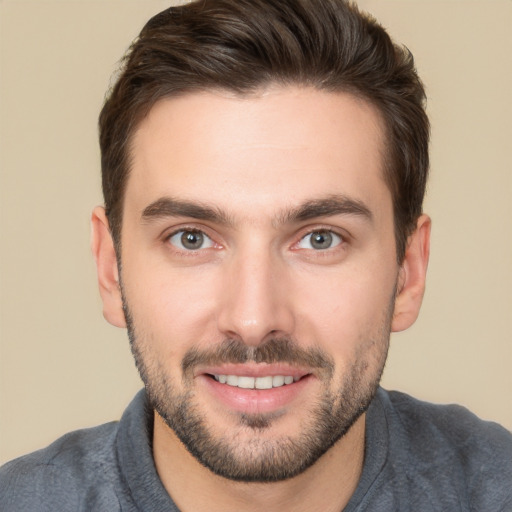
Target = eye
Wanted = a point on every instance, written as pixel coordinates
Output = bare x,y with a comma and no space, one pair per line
320,240
190,240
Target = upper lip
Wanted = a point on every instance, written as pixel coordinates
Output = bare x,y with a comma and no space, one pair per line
254,370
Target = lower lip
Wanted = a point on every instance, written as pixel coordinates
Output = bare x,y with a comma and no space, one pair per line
254,401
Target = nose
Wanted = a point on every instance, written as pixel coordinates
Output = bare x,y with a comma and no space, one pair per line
256,302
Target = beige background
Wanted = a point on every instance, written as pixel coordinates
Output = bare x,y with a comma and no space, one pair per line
62,367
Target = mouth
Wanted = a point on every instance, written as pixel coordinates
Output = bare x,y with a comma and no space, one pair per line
251,389
263,382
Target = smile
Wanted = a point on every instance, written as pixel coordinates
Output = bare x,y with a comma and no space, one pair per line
246,382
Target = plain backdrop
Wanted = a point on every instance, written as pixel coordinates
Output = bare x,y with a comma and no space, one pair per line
63,367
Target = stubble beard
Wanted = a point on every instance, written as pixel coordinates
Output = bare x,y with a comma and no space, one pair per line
237,456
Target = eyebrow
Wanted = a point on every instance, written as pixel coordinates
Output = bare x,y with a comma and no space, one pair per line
326,207
170,207
321,207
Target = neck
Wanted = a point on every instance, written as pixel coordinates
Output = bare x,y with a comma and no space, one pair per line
326,486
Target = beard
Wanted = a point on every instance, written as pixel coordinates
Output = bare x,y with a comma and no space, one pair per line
257,457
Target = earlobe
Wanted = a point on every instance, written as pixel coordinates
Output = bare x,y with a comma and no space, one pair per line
412,275
104,254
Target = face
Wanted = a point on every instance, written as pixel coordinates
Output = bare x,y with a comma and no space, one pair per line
259,272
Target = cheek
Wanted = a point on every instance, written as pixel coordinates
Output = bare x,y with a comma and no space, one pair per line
346,307
172,307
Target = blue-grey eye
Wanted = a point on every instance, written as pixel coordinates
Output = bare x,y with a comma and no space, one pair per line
320,240
190,240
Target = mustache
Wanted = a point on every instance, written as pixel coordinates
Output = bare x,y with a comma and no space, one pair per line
275,350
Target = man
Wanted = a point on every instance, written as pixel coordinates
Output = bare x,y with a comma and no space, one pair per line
264,164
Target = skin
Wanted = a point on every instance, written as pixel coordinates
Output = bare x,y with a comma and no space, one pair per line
258,159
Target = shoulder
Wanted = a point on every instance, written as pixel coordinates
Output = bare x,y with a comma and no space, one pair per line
452,424
64,475
449,450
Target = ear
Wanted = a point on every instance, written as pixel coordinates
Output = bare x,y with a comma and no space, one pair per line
411,278
104,253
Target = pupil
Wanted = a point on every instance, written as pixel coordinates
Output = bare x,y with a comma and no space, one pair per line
192,240
321,240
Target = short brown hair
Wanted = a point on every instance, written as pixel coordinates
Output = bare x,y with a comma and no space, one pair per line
244,45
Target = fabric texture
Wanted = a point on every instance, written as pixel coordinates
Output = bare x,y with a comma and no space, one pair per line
418,457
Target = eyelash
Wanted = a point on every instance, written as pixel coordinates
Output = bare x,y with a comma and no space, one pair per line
335,237
340,242
189,230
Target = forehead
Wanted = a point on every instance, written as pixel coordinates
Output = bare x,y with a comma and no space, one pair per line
258,153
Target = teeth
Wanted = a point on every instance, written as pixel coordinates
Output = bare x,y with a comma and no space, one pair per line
277,381
264,382
232,380
245,382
